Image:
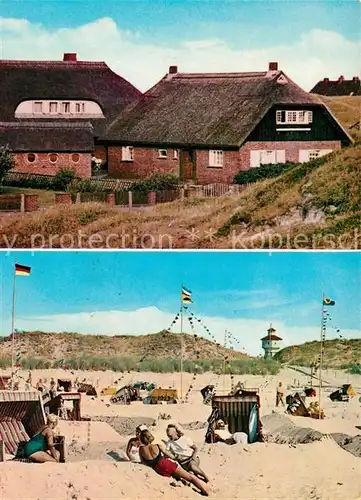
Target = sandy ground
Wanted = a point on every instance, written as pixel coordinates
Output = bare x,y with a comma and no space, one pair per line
317,470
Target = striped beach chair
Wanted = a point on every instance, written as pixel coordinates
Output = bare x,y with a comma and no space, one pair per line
21,417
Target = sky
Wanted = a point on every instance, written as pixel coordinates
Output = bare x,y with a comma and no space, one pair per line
139,292
140,39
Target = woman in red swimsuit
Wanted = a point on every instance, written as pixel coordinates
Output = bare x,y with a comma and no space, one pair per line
157,457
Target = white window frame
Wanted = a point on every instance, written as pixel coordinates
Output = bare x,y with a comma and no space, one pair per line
279,156
175,154
53,104
216,158
65,107
162,153
38,104
306,155
127,153
294,117
79,107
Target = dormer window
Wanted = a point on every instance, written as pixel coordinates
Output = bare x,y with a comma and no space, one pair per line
53,107
38,107
298,117
65,107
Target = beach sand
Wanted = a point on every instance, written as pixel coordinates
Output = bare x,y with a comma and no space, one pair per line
316,470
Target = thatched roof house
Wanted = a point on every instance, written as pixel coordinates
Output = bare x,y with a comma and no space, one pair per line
58,82
216,124
339,87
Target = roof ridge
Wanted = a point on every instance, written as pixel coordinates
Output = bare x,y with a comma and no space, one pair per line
75,64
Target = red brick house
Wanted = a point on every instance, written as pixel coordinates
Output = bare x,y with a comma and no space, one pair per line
339,87
45,148
207,127
59,93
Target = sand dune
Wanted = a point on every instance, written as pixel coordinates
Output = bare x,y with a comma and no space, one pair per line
317,470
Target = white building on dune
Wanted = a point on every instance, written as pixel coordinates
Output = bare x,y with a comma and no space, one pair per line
271,343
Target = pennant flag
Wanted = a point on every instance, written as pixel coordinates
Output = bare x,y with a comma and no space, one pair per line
22,270
328,302
186,296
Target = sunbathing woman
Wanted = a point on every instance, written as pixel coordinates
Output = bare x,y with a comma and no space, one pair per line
134,443
157,457
41,448
184,451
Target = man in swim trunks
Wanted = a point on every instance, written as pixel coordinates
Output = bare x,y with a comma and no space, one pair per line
158,458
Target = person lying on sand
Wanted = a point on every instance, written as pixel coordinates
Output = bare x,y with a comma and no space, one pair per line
158,458
184,451
134,443
41,448
221,434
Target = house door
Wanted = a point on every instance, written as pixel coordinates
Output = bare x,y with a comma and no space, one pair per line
187,165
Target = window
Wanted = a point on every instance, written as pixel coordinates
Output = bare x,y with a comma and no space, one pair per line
311,154
175,154
75,157
53,157
65,107
294,117
162,153
79,107
127,153
31,157
53,107
267,156
216,158
38,107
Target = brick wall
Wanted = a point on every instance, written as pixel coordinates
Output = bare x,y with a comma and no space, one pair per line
146,162
291,148
100,152
43,165
210,175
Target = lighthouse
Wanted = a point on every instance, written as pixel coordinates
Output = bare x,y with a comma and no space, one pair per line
271,343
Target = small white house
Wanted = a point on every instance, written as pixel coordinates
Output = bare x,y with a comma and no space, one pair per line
271,343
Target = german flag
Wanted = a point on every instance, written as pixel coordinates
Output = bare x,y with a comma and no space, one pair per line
186,296
22,270
328,302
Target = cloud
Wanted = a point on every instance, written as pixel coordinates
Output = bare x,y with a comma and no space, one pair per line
152,320
316,54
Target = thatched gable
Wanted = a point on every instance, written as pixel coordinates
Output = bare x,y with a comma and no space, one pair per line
47,137
211,110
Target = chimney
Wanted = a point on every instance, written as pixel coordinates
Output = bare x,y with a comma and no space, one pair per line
273,66
173,70
326,80
356,79
341,79
69,57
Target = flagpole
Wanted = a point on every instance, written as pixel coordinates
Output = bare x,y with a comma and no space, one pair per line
13,334
224,362
323,328
182,347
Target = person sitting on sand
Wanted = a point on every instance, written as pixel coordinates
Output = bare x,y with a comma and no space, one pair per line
221,434
184,451
41,448
134,443
158,458
40,385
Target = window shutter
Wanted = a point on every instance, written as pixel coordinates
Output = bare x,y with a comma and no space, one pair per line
304,155
280,156
255,158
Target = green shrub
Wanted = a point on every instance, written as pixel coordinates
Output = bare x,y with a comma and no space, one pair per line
7,161
156,182
64,178
262,172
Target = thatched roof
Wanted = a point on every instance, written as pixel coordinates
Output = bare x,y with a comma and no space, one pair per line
69,79
205,109
47,137
338,87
